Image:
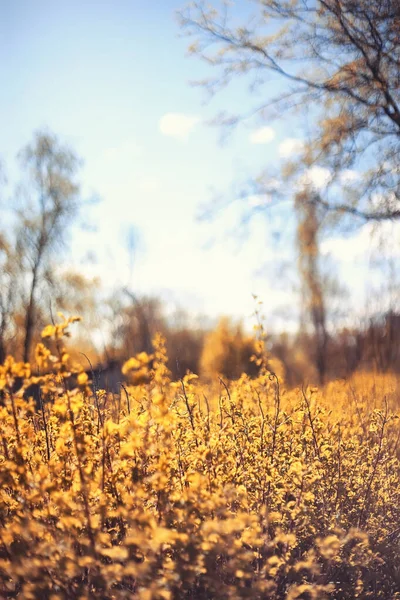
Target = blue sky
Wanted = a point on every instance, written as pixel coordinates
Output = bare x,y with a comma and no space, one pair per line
111,78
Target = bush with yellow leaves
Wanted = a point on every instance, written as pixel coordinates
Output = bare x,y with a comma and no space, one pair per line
177,490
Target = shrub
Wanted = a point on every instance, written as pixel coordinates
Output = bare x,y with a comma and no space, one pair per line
174,490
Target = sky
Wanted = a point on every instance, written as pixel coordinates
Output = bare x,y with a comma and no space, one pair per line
112,79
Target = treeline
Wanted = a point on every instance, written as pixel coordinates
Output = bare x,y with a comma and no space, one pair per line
228,350
35,284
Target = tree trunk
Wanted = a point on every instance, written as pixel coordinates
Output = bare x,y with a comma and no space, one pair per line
311,279
30,316
3,352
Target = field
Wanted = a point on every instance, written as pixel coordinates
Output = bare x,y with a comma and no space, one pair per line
186,490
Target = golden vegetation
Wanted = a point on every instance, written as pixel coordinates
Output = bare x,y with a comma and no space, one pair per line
176,489
226,350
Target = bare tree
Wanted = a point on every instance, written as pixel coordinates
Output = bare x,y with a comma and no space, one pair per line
341,59
47,207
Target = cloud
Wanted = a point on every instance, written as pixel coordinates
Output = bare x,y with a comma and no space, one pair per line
349,176
178,125
263,135
346,249
371,239
149,185
290,147
353,248
258,200
317,177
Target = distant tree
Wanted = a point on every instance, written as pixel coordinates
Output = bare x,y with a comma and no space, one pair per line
34,233
48,205
333,66
313,289
227,351
338,58
133,321
184,348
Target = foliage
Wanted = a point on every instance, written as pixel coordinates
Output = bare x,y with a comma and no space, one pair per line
336,59
329,72
45,205
177,490
227,351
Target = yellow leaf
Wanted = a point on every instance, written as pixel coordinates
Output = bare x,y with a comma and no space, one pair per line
48,331
115,552
82,378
